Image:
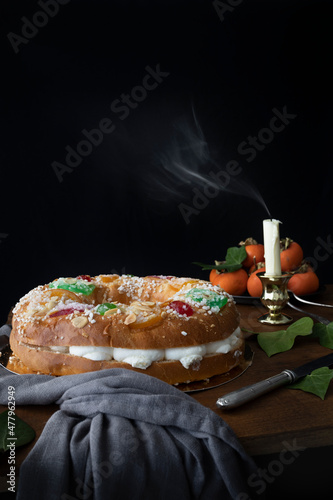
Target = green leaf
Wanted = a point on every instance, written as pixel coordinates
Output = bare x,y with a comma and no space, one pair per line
283,340
324,333
233,260
14,430
209,267
317,382
302,326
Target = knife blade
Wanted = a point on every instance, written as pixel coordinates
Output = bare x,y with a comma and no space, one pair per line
250,392
309,302
321,319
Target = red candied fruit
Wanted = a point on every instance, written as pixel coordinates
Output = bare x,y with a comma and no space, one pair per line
181,307
62,312
84,277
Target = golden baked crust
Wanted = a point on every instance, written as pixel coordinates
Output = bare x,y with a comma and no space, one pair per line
151,313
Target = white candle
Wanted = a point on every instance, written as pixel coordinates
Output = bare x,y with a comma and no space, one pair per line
272,247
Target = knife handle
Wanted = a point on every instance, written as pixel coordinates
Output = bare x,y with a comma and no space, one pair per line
241,396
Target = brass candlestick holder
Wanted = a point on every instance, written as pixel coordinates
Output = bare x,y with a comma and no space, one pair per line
274,297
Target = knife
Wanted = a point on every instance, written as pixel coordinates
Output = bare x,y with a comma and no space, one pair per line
241,396
310,302
321,319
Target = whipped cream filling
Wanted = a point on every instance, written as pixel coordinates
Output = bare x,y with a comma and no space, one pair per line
142,358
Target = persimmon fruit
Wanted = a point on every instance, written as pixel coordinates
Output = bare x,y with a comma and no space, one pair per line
255,252
304,283
233,282
254,284
213,275
304,279
291,256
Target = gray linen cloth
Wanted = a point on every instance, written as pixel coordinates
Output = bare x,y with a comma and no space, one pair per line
119,434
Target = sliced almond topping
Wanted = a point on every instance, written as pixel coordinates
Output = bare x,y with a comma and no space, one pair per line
150,317
32,310
41,312
109,312
138,308
130,319
79,321
139,305
70,281
148,303
50,305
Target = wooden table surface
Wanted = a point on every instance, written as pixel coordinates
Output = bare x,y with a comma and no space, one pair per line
264,425
284,414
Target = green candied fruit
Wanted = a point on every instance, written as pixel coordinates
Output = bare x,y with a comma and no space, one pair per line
102,308
73,285
209,298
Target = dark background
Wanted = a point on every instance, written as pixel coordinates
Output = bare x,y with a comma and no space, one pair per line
119,209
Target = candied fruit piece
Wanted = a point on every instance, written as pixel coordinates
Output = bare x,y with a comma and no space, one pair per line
181,308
